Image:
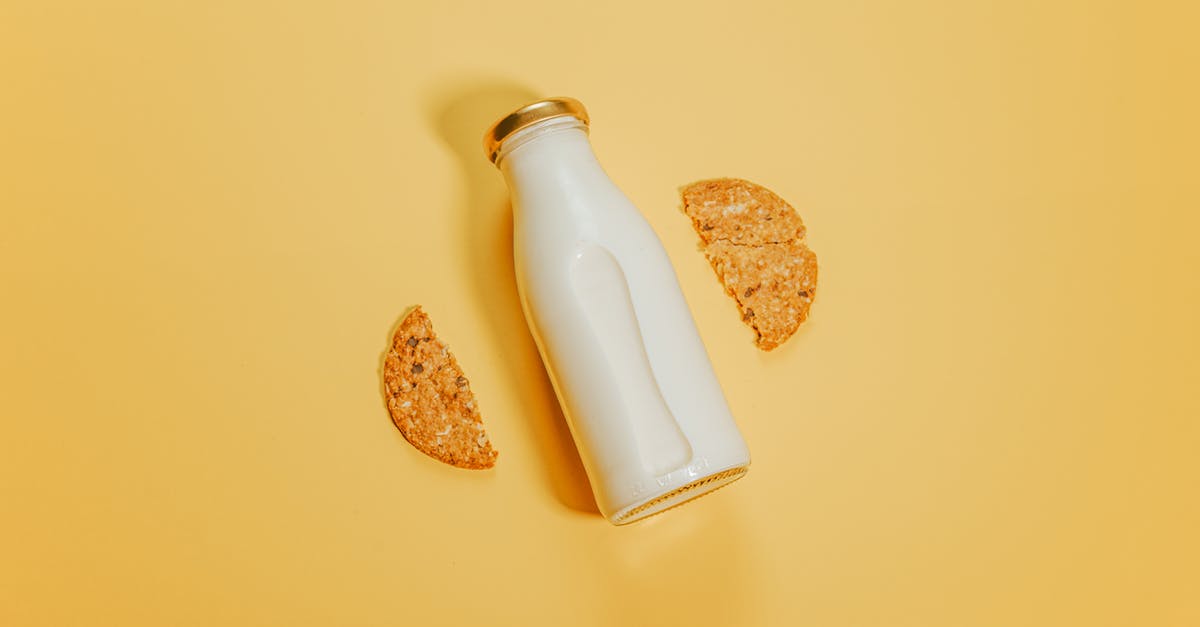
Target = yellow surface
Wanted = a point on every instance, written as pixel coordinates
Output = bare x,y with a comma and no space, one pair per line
212,213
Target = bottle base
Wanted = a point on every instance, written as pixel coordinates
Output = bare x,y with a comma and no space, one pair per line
678,496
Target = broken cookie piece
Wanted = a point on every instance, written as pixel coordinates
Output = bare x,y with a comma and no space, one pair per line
773,284
740,212
755,243
430,399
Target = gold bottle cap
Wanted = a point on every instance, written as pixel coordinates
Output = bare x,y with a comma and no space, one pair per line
527,115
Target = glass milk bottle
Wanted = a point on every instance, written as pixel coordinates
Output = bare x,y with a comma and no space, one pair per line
614,331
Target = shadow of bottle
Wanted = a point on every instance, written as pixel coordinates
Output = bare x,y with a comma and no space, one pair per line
460,114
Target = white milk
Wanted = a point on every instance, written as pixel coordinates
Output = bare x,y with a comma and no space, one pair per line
602,300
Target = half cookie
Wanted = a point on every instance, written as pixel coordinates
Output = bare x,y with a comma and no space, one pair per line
430,399
755,243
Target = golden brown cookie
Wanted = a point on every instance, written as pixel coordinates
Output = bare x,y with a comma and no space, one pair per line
430,399
740,212
773,284
755,243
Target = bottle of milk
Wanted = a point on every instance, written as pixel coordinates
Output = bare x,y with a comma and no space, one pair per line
614,331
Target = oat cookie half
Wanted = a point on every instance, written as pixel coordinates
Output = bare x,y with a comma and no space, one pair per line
755,243
740,212
430,399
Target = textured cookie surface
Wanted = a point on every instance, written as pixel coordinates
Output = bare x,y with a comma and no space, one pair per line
740,212
755,243
430,399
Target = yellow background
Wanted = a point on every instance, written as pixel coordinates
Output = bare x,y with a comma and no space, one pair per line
213,213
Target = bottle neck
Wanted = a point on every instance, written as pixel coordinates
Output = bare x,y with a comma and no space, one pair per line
553,149
537,133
